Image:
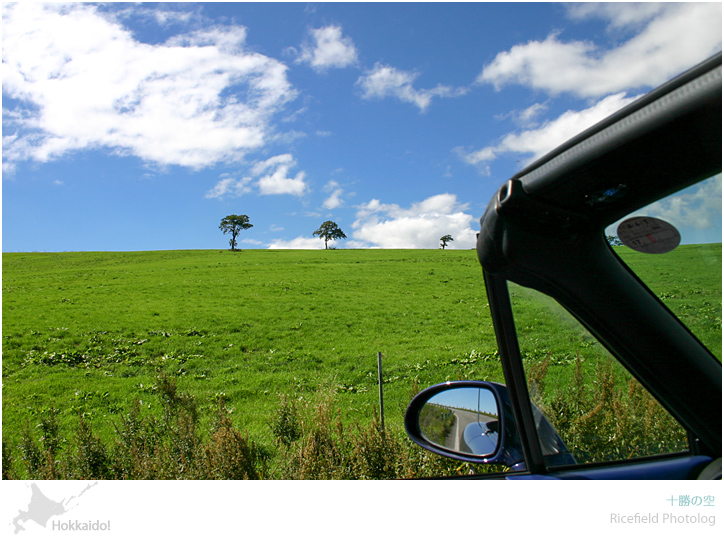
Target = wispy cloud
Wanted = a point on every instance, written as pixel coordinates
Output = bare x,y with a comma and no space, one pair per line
79,80
674,37
328,48
386,81
526,118
230,186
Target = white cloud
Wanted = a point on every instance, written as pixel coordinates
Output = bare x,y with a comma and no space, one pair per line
301,243
269,176
675,37
618,15
529,116
335,199
330,49
537,142
421,226
84,82
164,18
385,81
275,181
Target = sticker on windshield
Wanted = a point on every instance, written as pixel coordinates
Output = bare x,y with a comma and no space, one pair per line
649,235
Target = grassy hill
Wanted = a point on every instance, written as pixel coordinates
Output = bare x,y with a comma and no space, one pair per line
89,333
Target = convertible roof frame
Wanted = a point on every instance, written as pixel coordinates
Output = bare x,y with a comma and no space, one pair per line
544,229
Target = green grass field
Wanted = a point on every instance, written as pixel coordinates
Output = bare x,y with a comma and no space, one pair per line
88,333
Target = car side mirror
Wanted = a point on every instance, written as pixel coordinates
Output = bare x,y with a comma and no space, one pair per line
473,421
465,420
462,420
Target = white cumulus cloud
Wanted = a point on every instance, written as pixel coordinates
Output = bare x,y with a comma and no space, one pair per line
274,178
78,79
421,225
329,49
269,177
674,37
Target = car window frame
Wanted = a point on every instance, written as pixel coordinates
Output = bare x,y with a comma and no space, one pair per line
554,205
669,465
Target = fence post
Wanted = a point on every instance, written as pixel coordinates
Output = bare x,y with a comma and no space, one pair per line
379,377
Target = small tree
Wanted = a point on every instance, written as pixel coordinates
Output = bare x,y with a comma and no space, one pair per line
233,224
444,240
329,230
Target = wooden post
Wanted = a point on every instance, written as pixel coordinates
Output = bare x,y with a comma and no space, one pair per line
379,377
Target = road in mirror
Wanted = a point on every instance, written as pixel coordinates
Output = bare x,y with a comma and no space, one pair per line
462,419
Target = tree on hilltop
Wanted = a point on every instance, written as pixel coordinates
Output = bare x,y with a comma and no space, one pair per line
445,239
233,224
329,230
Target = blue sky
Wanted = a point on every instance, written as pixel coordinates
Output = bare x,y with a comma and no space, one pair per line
140,126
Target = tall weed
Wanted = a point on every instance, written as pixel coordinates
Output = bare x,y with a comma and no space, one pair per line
312,443
606,416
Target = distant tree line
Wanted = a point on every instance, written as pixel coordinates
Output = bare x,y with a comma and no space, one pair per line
328,231
234,224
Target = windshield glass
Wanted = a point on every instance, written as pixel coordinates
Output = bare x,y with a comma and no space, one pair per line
674,247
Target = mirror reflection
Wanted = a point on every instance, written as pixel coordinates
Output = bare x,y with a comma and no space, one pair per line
463,419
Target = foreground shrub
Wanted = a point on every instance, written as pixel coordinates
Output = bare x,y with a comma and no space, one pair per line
286,427
600,419
312,443
228,454
326,449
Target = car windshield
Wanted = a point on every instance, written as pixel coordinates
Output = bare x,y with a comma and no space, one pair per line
674,247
